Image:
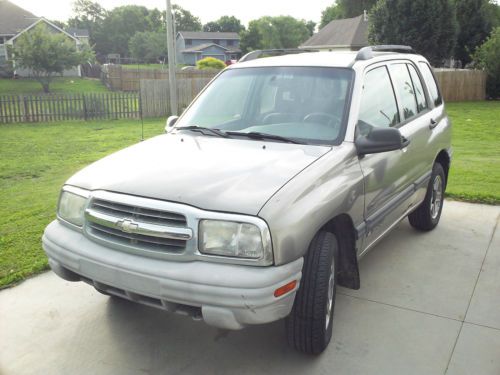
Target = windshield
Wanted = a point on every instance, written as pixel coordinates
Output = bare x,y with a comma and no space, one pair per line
306,104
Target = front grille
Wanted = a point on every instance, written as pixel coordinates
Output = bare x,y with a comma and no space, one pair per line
122,211
145,215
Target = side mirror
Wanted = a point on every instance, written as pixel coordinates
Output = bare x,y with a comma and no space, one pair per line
170,122
381,140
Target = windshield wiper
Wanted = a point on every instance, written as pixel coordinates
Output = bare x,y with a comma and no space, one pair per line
201,129
258,135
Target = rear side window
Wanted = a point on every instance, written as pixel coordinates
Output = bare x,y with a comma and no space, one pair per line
404,86
419,89
430,83
378,103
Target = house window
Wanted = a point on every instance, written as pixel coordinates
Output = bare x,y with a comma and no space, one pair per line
189,42
230,42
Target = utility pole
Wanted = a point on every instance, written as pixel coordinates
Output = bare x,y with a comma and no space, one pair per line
171,60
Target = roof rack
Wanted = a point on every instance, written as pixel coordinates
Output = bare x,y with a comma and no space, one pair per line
274,52
366,53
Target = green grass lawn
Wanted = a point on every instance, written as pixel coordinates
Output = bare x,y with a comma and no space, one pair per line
475,168
58,85
38,158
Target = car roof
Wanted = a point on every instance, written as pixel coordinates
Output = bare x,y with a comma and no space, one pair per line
338,59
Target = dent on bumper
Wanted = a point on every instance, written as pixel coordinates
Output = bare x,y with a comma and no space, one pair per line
226,296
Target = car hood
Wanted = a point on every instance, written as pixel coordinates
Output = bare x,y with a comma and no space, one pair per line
230,175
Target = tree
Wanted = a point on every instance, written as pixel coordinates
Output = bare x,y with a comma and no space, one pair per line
120,24
333,12
148,46
311,26
225,24
354,8
47,53
475,23
429,26
185,20
274,32
487,57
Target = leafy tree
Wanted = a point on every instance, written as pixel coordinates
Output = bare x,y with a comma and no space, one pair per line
225,24
354,8
88,15
185,20
429,26
274,32
487,57
47,53
311,26
333,12
148,46
475,22
210,63
118,27
345,9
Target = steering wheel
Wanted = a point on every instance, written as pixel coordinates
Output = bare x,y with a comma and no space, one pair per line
320,117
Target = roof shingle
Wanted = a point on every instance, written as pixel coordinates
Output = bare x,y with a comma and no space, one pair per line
14,19
348,32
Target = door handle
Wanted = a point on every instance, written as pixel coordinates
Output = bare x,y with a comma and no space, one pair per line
433,124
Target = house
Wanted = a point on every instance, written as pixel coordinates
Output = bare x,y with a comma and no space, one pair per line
81,34
192,46
14,22
349,34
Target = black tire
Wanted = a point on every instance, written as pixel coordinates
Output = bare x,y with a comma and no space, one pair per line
306,326
426,216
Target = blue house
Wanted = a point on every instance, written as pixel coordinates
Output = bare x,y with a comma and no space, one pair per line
192,46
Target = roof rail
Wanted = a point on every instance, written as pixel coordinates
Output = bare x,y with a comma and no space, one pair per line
274,52
366,53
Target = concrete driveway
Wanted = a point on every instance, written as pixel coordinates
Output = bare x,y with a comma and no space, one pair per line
429,303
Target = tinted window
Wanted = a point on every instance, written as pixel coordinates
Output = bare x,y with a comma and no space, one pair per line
378,103
418,88
430,83
404,86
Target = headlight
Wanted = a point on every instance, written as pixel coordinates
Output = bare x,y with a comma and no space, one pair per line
228,238
72,205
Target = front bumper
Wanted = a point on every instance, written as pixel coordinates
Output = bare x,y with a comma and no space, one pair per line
224,295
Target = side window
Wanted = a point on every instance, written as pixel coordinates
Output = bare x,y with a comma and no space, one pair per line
430,83
419,89
378,103
402,81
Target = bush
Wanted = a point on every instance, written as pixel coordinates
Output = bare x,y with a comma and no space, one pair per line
487,57
210,63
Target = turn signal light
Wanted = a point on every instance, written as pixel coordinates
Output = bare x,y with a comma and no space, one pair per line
285,288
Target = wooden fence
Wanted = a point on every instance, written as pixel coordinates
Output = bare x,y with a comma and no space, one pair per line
118,78
155,94
461,84
60,107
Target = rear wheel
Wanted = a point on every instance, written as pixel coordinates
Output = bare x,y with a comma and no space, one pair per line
427,215
309,325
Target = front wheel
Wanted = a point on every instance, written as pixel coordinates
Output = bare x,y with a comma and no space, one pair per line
309,325
427,215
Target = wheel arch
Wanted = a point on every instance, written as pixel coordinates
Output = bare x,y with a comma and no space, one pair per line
347,268
443,158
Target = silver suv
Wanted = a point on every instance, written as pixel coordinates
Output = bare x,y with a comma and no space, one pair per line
265,193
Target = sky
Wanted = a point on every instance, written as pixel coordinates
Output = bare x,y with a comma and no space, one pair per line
206,10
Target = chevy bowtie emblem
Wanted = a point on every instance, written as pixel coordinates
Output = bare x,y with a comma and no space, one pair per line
127,225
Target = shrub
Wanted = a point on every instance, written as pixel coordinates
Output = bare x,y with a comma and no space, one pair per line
487,57
210,63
